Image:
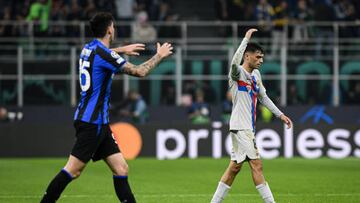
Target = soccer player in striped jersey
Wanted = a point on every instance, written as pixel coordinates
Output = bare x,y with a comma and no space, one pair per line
97,66
246,87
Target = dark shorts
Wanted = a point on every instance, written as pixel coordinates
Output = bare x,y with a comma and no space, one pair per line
93,142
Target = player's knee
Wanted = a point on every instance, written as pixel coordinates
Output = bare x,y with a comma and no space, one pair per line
235,169
122,170
76,173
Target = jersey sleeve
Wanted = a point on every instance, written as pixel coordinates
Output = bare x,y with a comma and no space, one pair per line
234,73
239,52
109,60
264,99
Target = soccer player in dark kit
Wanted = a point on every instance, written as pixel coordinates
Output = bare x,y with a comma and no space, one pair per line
94,140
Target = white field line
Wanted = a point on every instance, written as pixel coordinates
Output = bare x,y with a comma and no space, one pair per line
4,196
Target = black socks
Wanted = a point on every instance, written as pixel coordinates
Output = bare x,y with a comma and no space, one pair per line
63,178
123,190
57,186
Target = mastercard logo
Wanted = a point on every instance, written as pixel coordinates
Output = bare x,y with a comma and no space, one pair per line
128,139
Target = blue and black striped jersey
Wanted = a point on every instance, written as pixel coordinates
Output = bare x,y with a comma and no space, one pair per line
97,66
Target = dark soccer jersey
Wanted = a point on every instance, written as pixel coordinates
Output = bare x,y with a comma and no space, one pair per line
97,66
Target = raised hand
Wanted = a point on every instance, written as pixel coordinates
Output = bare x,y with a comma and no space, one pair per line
144,69
250,32
164,50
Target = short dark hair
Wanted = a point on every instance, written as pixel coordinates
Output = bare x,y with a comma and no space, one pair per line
254,47
100,22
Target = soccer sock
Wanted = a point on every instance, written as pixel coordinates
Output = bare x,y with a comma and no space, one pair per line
123,190
220,193
57,186
265,192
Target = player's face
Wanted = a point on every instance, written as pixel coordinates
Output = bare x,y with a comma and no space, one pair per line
255,59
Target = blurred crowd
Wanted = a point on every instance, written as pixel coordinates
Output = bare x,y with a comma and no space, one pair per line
42,11
71,10
271,15
278,12
132,108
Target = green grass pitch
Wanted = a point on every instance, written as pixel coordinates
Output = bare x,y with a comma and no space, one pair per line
187,181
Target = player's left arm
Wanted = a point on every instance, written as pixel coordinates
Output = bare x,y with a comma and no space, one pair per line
266,101
131,49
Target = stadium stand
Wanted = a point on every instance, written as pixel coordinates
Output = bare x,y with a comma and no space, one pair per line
205,34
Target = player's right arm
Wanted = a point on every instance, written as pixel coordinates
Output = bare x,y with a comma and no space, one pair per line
236,60
266,101
131,49
144,69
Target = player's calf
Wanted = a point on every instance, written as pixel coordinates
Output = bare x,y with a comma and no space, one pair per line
120,170
57,186
257,171
231,172
123,190
259,181
226,181
72,170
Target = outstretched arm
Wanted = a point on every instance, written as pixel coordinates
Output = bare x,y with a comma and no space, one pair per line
236,60
132,49
266,101
144,69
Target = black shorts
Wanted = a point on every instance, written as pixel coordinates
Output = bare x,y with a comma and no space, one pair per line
93,141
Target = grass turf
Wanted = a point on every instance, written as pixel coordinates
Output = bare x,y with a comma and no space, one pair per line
185,180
